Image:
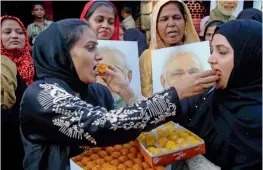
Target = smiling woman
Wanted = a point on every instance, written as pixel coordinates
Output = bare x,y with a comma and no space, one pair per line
103,19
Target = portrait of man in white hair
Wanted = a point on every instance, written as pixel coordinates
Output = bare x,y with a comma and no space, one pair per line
178,65
225,10
116,58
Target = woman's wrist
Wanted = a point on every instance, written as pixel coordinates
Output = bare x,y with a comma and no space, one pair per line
126,94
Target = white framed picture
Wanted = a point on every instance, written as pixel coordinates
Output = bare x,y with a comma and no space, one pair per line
172,63
124,56
227,7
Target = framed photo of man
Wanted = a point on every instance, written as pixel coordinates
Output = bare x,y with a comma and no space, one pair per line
225,10
124,56
173,63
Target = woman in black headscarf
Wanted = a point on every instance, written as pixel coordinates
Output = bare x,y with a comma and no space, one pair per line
250,13
54,119
134,34
229,117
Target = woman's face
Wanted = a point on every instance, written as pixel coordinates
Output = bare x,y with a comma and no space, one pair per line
85,57
222,59
102,22
209,33
171,24
13,37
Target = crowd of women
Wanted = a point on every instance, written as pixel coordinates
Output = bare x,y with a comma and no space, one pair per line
51,104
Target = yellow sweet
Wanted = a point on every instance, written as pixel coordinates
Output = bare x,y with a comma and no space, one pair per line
185,144
171,145
173,136
141,138
191,138
161,132
195,141
180,140
154,150
162,141
169,126
165,149
150,139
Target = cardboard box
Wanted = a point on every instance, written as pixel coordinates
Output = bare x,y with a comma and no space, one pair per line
168,157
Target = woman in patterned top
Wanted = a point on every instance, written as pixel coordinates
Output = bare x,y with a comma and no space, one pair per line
54,118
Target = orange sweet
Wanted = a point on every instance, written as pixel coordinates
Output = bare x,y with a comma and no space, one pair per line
85,160
115,162
124,151
102,68
116,154
129,163
102,154
100,161
96,149
88,152
90,165
145,165
117,147
94,157
137,160
139,155
159,168
121,167
97,167
133,150
131,156
137,167
108,158
110,149
123,159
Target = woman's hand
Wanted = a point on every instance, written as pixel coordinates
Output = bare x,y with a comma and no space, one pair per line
115,79
195,84
118,83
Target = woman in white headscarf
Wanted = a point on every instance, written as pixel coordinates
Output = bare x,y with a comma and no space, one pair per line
172,25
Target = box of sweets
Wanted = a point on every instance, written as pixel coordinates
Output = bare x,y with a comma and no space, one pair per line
117,157
169,143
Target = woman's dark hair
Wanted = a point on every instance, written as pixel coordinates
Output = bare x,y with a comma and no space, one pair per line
72,30
213,23
96,5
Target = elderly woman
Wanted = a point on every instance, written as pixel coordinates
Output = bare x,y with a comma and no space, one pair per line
171,26
54,118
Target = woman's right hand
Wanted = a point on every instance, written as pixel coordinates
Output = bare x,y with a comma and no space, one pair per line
195,84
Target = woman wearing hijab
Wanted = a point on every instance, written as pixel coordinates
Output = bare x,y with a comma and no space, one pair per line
171,26
54,119
16,46
134,34
210,30
229,117
250,13
103,19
